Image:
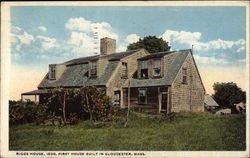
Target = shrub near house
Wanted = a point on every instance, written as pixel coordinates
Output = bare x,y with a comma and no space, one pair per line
25,112
86,103
67,105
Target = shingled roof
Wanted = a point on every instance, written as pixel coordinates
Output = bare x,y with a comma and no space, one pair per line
110,57
156,55
76,72
172,70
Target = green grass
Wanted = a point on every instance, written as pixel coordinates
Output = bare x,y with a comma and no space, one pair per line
182,131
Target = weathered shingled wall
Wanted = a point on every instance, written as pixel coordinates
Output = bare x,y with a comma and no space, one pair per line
116,81
190,96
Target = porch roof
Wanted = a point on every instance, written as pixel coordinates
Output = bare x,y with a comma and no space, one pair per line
36,92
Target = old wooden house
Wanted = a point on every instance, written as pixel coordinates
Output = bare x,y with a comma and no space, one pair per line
160,82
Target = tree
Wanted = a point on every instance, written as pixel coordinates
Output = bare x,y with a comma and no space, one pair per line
151,43
69,102
58,101
228,94
96,103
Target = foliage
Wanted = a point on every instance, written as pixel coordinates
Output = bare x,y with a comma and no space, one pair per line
21,112
86,103
151,43
175,132
96,103
41,113
63,102
64,106
73,119
228,94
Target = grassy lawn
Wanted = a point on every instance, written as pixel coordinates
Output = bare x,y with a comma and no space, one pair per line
182,131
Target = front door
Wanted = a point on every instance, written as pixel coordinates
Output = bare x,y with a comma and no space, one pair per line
117,100
164,101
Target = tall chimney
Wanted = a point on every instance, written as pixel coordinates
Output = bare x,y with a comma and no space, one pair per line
108,46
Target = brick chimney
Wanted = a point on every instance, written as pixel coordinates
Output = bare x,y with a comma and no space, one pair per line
108,46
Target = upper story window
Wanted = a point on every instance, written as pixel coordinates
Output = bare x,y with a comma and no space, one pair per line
184,75
124,70
142,98
157,68
92,68
144,69
52,72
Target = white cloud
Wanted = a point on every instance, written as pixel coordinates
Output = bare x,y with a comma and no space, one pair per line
25,38
46,42
182,37
194,38
16,29
240,49
85,35
78,24
42,28
101,29
24,44
81,44
132,38
240,42
209,60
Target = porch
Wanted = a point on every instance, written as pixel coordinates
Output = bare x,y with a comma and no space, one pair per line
40,95
149,99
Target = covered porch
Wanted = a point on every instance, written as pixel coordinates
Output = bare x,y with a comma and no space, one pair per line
150,99
38,94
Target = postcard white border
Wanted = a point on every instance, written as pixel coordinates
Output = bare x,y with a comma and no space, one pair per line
5,66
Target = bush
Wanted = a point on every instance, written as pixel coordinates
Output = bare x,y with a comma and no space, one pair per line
65,106
96,103
22,113
73,119
87,103
27,112
41,113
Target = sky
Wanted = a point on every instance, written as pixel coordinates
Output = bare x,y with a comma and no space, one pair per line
42,35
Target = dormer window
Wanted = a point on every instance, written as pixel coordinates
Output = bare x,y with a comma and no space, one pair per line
144,69
124,70
52,72
184,75
92,68
157,68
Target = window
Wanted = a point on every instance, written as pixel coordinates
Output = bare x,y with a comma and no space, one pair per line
52,72
117,99
93,69
124,70
144,69
157,68
184,75
142,96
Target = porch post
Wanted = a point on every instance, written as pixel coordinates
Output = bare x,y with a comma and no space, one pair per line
129,94
159,99
35,97
21,97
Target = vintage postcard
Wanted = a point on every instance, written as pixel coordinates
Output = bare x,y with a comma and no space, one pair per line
125,79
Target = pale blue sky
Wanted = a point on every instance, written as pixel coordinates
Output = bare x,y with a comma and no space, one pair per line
40,34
